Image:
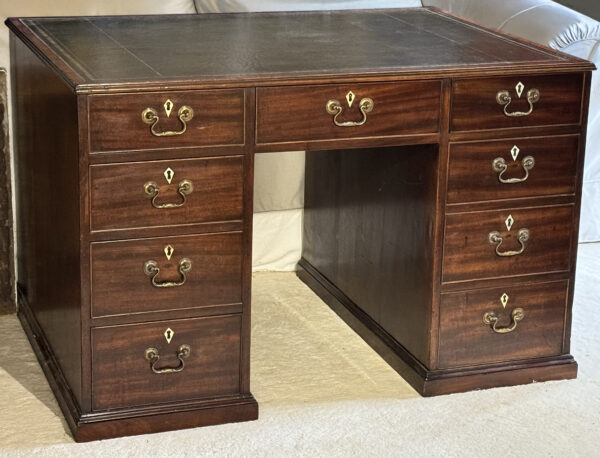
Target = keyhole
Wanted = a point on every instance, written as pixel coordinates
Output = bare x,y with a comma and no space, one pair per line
168,106
169,174
169,335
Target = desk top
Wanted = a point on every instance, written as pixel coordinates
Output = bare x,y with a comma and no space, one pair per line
271,47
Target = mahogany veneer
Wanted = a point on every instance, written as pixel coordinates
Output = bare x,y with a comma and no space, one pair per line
219,120
135,216
561,105
213,365
464,342
118,204
554,170
469,255
117,288
402,109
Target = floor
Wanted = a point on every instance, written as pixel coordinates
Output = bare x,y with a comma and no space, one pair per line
324,392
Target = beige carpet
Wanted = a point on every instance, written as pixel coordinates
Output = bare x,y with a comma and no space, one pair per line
324,392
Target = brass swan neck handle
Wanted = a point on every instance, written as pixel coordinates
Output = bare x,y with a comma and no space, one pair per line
503,98
151,190
334,107
495,238
152,270
150,116
499,165
152,355
491,319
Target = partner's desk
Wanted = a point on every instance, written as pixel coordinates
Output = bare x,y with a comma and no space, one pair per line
443,176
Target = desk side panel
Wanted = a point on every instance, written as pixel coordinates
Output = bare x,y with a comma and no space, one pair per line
368,228
47,212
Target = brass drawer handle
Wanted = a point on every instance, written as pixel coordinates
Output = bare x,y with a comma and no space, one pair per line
503,98
150,116
152,270
495,238
152,190
499,165
490,318
152,355
334,107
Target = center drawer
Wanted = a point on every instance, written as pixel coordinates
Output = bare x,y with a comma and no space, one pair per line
307,113
166,273
504,243
159,193
202,353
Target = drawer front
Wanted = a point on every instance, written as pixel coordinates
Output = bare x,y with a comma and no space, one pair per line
475,103
122,278
288,114
506,169
116,121
160,193
470,254
122,374
466,339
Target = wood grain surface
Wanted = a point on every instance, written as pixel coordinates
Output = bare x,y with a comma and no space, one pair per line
116,120
466,340
474,105
122,377
471,177
118,201
120,286
47,206
367,229
298,113
468,254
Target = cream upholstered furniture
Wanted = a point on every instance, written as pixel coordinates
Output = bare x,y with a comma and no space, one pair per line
279,182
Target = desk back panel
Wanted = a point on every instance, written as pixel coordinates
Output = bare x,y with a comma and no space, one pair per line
368,228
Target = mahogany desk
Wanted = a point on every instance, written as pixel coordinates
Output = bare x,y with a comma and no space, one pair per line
443,180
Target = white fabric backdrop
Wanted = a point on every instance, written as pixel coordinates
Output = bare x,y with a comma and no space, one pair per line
228,6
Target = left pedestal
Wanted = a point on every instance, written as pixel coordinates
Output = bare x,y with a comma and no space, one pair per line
134,243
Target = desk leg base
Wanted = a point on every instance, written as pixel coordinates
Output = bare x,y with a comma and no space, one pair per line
101,426
130,421
423,380
511,375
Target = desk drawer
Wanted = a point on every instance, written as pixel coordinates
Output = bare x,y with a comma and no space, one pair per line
122,375
471,250
116,121
495,170
159,193
466,339
475,104
292,114
123,280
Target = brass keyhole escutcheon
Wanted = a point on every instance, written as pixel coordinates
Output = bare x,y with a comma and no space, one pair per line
169,333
